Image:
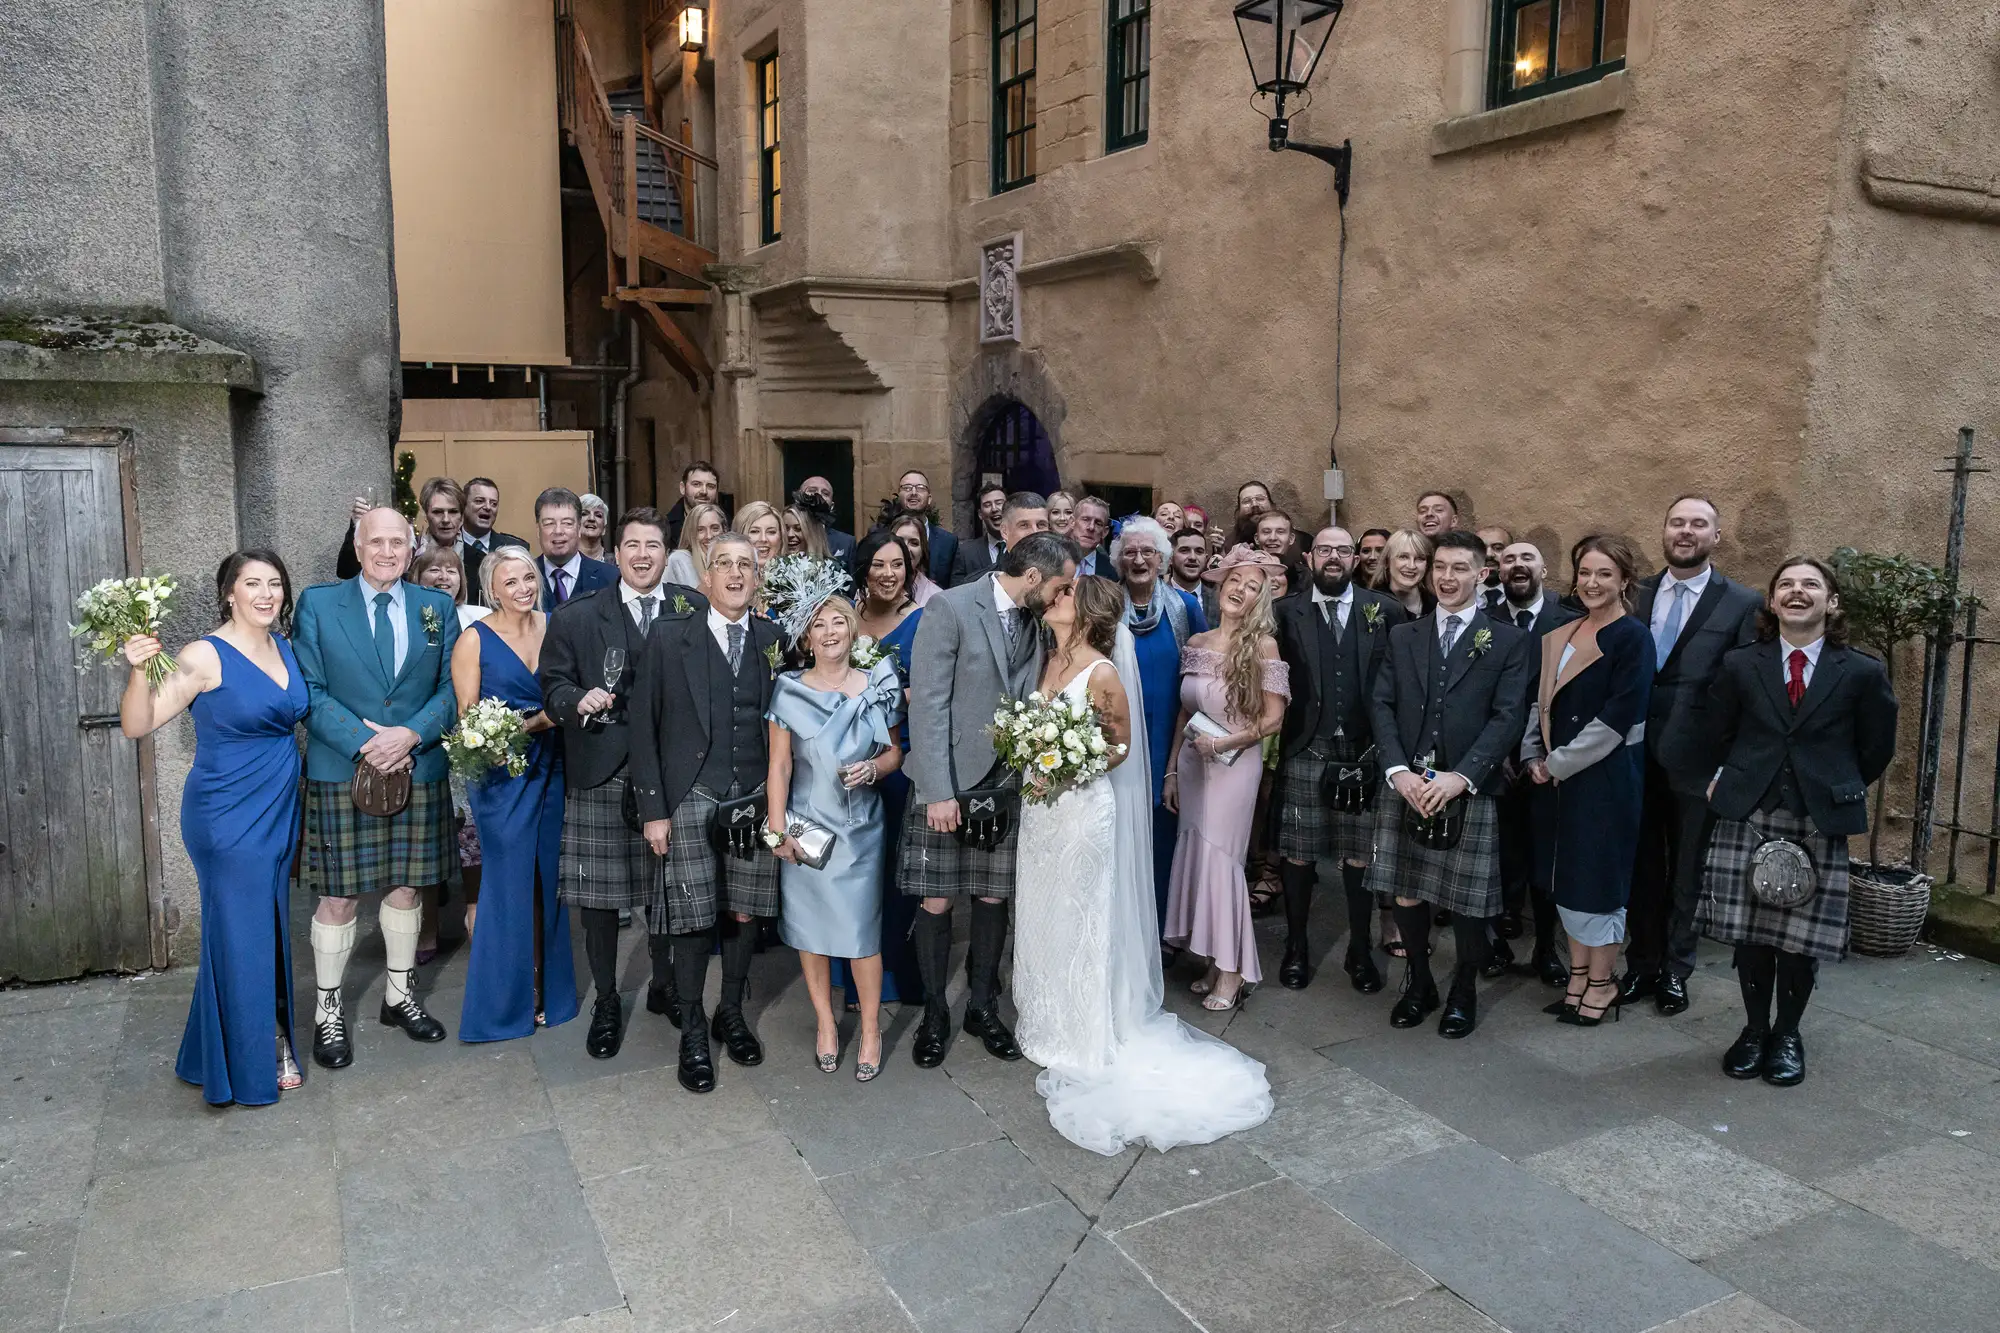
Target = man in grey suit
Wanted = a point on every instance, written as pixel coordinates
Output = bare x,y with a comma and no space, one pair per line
977,645
1696,616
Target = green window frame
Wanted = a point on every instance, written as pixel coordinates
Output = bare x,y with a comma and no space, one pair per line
770,157
1013,93
1544,46
1128,61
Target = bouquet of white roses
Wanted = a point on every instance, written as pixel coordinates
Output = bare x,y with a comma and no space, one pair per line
866,653
119,609
1054,744
490,735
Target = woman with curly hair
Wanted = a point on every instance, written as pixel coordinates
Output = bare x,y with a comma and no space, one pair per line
1233,693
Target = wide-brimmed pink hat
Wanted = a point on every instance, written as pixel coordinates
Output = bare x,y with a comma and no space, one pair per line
1243,554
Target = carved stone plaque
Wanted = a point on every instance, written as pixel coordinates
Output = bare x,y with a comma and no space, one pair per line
1000,290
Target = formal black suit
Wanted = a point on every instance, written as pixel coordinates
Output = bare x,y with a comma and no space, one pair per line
975,557
674,727
1469,712
944,554
580,630
840,545
473,557
1301,644
1680,759
590,575
1828,750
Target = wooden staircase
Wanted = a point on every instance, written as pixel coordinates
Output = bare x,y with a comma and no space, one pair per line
652,194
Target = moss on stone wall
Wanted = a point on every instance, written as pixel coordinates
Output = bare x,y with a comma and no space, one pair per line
68,333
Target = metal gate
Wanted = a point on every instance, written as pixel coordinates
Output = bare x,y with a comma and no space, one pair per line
73,830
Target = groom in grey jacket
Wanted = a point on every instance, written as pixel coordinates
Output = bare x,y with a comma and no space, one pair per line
977,644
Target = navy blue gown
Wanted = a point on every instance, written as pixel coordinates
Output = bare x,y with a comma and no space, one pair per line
520,836
240,821
901,982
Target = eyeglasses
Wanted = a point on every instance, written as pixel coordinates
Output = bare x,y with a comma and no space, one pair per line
734,564
1342,551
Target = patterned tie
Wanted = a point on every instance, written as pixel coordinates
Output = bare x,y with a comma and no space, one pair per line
1452,624
1008,621
561,579
1795,686
735,648
385,636
646,615
1670,628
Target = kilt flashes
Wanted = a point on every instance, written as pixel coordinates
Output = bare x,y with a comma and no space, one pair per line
1731,914
938,865
696,881
604,863
1307,827
1464,880
349,853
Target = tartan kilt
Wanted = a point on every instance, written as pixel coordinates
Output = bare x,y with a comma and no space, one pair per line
695,880
349,853
938,865
1464,880
604,863
1307,827
1730,913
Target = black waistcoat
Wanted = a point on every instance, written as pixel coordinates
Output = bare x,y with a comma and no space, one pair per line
1341,705
1785,794
736,754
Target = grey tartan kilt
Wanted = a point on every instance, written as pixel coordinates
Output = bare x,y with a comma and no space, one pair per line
694,878
938,865
1307,828
1731,914
349,853
1464,880
604,863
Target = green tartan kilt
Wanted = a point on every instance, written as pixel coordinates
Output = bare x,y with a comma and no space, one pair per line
349,853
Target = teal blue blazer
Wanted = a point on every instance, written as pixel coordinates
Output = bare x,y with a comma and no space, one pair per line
335,645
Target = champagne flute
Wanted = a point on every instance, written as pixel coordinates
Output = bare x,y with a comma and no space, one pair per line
614,671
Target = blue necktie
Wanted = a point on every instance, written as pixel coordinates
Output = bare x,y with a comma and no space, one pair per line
385,636
1670,628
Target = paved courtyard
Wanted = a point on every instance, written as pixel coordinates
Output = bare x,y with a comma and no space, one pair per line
1534,1177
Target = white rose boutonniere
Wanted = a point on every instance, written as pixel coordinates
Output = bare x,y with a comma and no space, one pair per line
432,625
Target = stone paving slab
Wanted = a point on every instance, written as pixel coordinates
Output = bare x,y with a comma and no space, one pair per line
1939,1190
316,1304
987,1276
1102,1291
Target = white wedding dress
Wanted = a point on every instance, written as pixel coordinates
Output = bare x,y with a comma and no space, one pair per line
1087,989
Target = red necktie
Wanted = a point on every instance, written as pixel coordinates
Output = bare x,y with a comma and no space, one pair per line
1795,687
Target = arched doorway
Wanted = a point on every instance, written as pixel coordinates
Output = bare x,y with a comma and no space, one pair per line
1015,450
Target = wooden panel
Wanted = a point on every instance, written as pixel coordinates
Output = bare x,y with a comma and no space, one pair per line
437,414
30,943
522,463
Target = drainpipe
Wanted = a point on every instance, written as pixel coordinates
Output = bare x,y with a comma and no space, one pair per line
542,400
605,423
623,458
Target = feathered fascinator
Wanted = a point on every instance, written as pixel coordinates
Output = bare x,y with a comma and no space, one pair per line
797,586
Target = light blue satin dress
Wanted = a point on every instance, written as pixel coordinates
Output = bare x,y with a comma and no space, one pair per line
837,911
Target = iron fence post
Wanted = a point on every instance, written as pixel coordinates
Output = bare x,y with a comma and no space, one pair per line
1937,673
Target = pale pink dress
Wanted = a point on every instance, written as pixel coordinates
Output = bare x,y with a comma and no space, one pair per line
1208,899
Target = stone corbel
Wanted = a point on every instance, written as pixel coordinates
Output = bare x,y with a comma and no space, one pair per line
1140,258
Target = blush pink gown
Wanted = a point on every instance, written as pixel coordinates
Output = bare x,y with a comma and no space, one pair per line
1208,899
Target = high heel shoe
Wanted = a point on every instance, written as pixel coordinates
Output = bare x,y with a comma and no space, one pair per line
1566,1005
866,1070
828,1063
1582,1016
1217,1005
290,1076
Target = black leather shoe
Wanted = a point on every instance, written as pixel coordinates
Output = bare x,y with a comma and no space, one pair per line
1414,1007
1461,1013
1745,1059
734,1033
932,1040
1499,961
986,1025
607,1028
1784,1059
410,1016
1361,970
697,1071
1295,971
1672,995
331,1047
1638,986
1551,969
1508,925
662,1000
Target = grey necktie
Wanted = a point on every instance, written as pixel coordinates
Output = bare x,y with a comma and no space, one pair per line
646,615
1008,622
1452,624
735,648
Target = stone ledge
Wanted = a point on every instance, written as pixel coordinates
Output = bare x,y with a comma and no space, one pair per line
1612,93
1934,192
118,351
1139,258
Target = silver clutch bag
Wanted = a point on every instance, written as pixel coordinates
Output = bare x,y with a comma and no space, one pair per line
815,841
1201,724
1782,874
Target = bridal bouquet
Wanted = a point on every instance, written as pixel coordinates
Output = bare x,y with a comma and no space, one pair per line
490,735
120,609
1055,744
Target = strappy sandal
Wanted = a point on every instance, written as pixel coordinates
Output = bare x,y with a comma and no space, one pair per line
1582,1016
290,1076
1215,1004
1266,891
1566,1005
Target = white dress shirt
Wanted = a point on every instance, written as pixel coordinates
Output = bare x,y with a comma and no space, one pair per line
1663,600
718,625
630,596
570,569
1343,605
1811,650
1534,610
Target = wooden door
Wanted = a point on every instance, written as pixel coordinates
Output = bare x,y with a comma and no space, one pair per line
73,873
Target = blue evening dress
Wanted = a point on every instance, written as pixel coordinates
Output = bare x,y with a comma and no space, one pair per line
520,836
240,821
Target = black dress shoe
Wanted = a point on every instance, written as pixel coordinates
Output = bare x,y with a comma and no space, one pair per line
1361,970
736,1037
986,1025
1671,997
697,1071
1414,1007
1551,969
932,1040
1461,1011
331,1047
1637,986
607,1028
410,1016
1784,1059
1508,925
662,1000
1295,971
1499,961
1745,1059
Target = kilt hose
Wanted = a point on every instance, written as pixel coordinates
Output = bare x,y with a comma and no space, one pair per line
696,881
1464,880
604,863
349,853
938,865
1731,914
1307,827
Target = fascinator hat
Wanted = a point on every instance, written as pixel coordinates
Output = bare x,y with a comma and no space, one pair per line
1240,555
797,586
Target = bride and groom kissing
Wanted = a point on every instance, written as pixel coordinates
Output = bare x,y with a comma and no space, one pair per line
1087,984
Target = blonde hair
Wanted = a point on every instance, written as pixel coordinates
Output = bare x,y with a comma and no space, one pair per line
1400,541
755,510
841,607
1242,663
503,555
691,530
815,535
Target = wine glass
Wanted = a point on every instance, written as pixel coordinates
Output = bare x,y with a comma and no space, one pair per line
614,671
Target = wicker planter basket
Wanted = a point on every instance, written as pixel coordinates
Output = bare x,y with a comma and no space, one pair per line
1886,907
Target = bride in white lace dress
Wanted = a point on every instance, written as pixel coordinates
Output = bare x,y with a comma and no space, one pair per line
1117,1069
